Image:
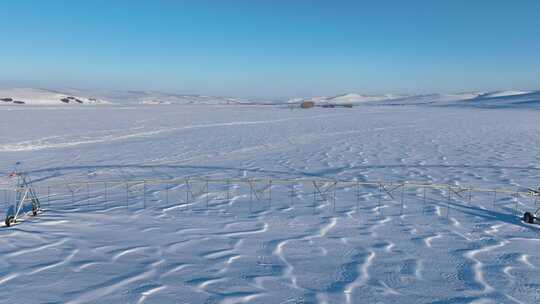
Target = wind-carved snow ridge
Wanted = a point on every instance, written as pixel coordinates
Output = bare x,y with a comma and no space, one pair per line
228,242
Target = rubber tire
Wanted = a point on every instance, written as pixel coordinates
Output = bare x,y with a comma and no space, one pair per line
34,211
528,218
10,219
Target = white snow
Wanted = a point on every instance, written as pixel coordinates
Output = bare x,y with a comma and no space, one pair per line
88,248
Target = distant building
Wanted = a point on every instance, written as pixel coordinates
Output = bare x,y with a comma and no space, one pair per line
307,104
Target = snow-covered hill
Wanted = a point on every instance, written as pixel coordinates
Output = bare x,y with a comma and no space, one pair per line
157,98
31,96
162,98
68,96
358,98
505,93
508,99
389,99
349,98
496,99
435,99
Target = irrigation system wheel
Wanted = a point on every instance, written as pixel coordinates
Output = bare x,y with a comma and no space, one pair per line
34,210
9,220
528,217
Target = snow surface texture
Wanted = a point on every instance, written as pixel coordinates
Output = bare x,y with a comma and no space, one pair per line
87,248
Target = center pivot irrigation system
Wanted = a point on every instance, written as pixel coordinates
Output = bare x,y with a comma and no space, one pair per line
27,203
25,196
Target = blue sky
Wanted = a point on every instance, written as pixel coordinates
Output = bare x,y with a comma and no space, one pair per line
272,49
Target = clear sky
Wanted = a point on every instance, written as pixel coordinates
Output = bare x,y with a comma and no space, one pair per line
272,48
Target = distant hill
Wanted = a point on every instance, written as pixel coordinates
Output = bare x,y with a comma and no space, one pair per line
161,98
507,99
31,96
496,99
68,97
349,98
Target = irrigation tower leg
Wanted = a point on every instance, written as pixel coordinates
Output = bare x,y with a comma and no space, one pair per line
144,194
187,195
228,191
207,195
516,204
167,195
448,202
380,198
250,198
291,201
314,200
127,195
6,204
357,197
334,201
424,207
402,196
270,194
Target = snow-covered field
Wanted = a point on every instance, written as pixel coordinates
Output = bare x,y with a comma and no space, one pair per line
90,249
